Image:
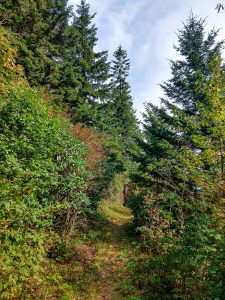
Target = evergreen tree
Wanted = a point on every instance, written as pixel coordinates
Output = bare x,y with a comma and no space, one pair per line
37,28
157,160
85,70
124,122
181,173
186,90
197,51
183,144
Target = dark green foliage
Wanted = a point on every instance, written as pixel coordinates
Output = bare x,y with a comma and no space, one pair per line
110,167
37,28
192,267
42,185
177,205
158,145
181,142
84,70
197,53
38,142
123,120
59,56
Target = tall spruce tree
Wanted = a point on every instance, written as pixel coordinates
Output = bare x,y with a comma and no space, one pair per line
185,91
124,122
181,173
86,88
157,160
197,51
37,27
184,144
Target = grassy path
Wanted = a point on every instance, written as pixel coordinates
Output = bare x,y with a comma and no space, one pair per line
92,265
114,249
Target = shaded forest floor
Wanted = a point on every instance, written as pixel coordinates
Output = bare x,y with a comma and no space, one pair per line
99,263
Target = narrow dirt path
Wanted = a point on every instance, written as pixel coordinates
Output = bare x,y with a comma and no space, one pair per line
113,251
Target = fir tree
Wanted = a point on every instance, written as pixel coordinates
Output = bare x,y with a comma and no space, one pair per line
197,51
181,170
157,160
124,122
182,156
37,28
184,144
88,67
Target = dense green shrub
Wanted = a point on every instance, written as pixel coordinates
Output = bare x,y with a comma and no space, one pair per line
187,267
42,184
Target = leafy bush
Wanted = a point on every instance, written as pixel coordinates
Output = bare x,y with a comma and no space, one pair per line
43,180
104,164
9,70
181,263
188,270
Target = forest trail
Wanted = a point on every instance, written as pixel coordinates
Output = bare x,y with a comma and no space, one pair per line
113,252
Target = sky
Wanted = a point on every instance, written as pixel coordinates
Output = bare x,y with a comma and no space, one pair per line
147,30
